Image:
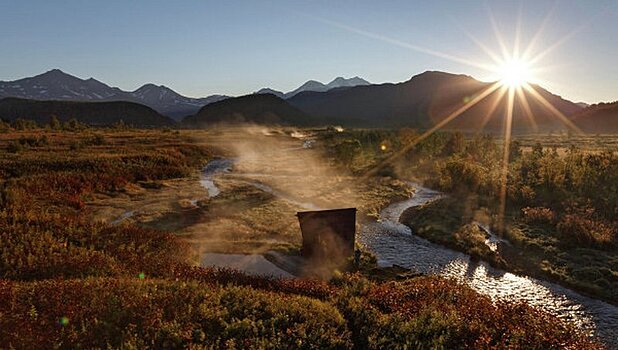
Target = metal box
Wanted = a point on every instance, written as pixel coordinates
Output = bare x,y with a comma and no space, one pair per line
328,235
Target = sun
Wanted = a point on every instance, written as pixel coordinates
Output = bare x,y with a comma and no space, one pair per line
510,80
514,73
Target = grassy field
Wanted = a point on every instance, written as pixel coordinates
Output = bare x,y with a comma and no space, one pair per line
73,276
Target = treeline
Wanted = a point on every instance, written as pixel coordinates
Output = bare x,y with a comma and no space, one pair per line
573,191
53,124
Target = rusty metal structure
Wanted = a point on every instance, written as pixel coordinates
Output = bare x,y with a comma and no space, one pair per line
328,235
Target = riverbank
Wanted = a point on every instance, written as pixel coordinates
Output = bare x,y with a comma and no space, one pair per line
245,202
260,192
448,222
395,243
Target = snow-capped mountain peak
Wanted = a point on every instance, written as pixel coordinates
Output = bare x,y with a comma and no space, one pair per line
343,82
314,85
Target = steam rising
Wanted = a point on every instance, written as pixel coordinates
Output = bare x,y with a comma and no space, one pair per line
272,177
275,161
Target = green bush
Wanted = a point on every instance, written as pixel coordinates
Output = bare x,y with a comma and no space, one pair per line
54,123
73,125
23,124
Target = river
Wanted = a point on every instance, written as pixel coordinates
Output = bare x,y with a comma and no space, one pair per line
395,243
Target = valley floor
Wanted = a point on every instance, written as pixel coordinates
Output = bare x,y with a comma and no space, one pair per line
101,231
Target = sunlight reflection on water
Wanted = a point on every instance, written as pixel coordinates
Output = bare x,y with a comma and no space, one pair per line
394,243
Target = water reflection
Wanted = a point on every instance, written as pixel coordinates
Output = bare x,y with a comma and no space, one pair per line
394,243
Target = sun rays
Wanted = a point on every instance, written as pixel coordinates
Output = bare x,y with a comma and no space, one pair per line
513,68
514,73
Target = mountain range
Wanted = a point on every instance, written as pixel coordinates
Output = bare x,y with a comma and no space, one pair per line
316,86
600,118
58,85
422,101
425,100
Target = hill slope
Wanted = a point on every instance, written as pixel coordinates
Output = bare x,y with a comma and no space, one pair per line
425,100
255,108
92,113
601,118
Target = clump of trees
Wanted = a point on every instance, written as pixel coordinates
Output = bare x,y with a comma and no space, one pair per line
573,192
24,124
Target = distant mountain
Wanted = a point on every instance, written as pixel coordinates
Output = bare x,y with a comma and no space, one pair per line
168,102
424,101
313,85
342,82
601,118
271,91
92,113
582,104
255,108
57,85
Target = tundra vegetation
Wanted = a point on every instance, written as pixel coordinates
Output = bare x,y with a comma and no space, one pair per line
67,281
561,199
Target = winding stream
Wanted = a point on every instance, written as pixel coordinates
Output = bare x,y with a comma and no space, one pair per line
394,243
211,169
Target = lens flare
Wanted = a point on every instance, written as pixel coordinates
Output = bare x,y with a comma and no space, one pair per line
514,73
512,69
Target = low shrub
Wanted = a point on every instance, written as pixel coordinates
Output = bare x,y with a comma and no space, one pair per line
135,313
581,227
97,140
14,147
433,312
538,215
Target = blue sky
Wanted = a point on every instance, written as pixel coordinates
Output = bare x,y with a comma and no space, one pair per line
200,48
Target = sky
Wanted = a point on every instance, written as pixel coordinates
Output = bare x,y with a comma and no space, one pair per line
199,48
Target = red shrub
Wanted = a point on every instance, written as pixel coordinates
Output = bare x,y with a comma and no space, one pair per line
538,215
581,227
